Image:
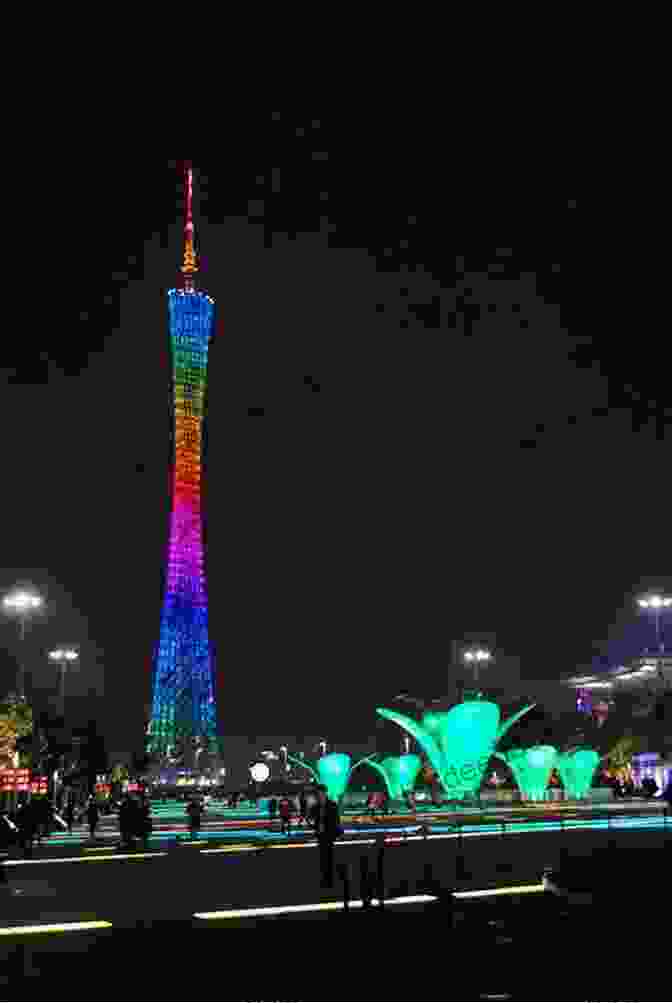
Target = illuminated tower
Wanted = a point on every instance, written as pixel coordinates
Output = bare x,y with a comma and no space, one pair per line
183,703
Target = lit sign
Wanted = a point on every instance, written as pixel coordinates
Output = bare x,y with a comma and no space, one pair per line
21,780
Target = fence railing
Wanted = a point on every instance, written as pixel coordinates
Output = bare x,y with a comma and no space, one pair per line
372,878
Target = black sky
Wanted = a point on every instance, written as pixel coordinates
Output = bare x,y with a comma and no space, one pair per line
486,456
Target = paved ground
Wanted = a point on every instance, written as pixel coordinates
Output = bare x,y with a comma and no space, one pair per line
151,900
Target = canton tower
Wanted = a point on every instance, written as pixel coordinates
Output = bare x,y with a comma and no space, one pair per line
183,698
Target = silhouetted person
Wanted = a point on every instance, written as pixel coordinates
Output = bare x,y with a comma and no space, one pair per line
649,787
26,823
42,810
92,817
272,809
70,814
144,822
667,793
126,821
327,827
303,807
285,815
194,812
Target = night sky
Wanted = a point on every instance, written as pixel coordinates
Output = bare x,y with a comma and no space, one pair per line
464,434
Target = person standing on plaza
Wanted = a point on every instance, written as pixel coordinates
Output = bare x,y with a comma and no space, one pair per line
649,787
327,827
285,815
26,824
70,814
42,810
92,816
194,813
272,810
145,821
126,821
303,807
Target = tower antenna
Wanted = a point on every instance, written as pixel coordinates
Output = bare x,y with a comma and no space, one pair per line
190,264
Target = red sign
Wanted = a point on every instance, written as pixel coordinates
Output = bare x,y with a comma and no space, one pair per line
103,788
14,780
21,780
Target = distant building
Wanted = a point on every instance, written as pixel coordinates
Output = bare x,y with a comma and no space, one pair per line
645,675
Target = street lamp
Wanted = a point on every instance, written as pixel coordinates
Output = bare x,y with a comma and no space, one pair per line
63,657
476,657
22,603
658,604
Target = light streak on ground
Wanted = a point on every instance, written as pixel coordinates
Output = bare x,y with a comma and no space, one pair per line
312,907
22,931
83,860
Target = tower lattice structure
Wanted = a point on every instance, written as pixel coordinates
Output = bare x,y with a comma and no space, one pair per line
183,699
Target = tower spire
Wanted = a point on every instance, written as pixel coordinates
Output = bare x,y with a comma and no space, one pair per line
190,264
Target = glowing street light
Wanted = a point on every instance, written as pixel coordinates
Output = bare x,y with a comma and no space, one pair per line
658,604
63,657
22,603
476,657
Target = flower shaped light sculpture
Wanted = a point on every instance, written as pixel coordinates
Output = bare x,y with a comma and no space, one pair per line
333,770
398,772
577,769
532,769
458,742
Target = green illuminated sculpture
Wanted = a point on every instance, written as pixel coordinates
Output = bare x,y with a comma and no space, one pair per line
398,772
458,742
532,769
333,770
576,769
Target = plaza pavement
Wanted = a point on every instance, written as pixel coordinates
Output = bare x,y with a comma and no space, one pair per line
150,902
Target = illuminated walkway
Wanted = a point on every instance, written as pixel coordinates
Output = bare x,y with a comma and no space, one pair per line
225,829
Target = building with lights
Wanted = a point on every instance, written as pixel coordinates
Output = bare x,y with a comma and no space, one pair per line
643,676
184,712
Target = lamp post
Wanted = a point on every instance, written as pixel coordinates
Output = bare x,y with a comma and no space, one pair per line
658,604
63,657
22,603
475,658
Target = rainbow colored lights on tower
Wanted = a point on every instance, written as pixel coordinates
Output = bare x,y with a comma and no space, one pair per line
183,704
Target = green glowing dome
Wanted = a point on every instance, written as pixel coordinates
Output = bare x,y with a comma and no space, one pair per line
576,771
400,774
458,742
334,773
532,769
